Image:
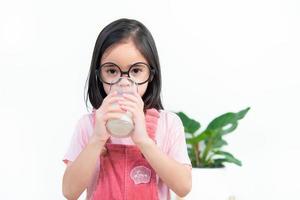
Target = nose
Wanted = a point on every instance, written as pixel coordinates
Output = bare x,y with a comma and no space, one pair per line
125,82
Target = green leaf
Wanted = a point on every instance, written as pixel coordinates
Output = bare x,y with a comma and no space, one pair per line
228,157
188,135
242,113
192,156
209,142
218,163
227,122
190,125
219,143
202,136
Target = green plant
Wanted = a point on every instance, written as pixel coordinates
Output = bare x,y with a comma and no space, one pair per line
205,147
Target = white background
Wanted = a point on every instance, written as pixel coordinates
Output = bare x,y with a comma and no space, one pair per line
216,56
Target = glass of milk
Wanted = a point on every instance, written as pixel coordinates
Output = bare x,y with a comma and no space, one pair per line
123,126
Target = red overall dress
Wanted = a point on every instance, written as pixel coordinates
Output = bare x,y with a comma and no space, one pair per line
124,172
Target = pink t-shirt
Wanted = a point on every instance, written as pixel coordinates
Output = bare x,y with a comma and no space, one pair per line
170,139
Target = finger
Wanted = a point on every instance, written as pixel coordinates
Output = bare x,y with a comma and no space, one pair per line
114,108
109,95
127,103
128,108
114,93
113,99
112,115
130,97
137,98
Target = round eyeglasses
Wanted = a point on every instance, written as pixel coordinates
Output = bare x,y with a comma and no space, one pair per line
139,72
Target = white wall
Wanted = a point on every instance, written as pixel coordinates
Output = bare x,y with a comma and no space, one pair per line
216,56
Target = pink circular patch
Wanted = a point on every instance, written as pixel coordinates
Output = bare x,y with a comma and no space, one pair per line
140,174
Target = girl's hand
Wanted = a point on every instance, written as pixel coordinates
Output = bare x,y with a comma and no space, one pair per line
134,104
108,110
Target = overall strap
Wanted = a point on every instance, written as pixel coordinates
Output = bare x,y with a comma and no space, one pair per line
151,118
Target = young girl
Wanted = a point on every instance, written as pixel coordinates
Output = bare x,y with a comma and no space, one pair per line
153,158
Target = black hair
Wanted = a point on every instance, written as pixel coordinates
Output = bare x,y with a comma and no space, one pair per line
116,32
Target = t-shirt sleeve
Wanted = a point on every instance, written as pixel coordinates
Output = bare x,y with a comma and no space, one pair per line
78,141
177,144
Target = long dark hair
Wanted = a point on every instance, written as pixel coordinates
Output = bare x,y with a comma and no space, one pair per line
114,33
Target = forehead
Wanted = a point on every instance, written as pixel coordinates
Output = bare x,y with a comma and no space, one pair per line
123,54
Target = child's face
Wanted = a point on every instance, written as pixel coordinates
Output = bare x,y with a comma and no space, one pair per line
124,54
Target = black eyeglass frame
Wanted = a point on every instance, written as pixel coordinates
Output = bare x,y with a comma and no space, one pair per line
151,75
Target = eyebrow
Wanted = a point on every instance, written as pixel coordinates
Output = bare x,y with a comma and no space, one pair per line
112,63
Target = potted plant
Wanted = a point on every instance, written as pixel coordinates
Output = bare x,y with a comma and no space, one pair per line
205,149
